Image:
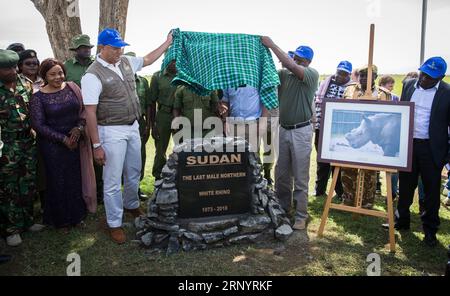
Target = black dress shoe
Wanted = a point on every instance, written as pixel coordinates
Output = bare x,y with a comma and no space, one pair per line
397,226
5,258
430,240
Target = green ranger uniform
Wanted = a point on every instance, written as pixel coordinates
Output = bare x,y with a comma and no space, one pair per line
143,91
18,161
187,101
75,70
162,93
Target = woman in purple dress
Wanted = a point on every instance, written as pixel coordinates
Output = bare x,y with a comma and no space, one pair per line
56,117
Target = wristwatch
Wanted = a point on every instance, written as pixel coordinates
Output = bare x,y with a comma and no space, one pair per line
96,146
81,128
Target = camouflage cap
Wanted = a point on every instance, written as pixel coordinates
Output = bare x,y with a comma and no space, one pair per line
81,40
8,58
366,68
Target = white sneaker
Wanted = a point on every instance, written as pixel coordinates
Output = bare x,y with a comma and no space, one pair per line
299,225
14,240
36,228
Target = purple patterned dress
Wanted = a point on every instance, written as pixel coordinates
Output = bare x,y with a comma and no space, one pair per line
53,117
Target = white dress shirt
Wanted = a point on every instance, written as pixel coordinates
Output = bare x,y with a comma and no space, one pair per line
423,99
91,87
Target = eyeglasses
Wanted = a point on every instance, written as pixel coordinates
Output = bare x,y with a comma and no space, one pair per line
31,64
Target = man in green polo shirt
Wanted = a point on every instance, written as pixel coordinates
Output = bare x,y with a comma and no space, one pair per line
299,84
162,93
76,67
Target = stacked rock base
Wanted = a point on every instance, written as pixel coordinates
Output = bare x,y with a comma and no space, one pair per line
162,230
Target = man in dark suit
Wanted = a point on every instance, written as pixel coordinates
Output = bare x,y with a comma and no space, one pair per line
431,152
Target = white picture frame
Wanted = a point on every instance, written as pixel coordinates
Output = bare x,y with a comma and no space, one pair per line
367,133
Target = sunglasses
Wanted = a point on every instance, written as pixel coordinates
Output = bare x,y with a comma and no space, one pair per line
30,64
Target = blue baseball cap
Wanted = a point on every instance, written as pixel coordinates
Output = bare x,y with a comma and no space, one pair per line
305,52
345,66
434,67
111,37
291,54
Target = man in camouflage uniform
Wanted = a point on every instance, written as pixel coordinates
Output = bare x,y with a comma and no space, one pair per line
147,110
349,176
18,162
162,93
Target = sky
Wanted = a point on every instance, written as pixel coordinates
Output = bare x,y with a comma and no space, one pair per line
336,29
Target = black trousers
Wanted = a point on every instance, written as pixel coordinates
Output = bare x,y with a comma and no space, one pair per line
324,171
424,166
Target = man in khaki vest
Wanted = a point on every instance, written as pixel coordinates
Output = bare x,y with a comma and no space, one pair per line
113,112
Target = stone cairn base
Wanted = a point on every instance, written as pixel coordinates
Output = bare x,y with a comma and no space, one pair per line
161,229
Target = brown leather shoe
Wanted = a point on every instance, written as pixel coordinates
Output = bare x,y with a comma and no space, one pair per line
136,212
118,235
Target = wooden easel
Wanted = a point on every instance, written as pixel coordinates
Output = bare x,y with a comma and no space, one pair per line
357,208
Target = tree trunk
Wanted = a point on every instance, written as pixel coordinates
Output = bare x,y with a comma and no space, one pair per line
113,14
62,22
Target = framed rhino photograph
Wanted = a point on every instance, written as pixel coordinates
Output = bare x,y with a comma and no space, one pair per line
367,133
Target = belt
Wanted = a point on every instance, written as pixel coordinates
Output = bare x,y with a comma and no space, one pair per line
166,109
238,120
296,126
421,140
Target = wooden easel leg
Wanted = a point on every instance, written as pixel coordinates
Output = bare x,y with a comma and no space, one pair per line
390,213
359,192
328,201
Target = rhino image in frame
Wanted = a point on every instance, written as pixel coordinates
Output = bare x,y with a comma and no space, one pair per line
382,129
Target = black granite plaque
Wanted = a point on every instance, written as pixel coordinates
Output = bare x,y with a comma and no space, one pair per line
213,184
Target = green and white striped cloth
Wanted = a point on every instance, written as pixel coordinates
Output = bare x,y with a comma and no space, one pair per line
207,62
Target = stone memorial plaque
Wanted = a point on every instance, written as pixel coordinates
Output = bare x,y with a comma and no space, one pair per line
213,184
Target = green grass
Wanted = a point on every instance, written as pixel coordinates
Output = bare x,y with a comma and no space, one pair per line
342,251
